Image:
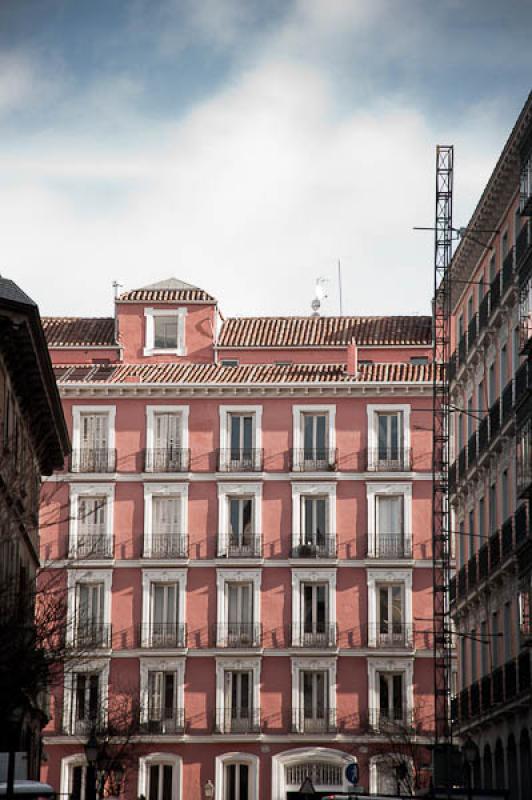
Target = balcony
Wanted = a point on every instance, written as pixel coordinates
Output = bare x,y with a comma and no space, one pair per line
167,459
392,545
523,383
92,545
524,459
495,293
451,368
472,573
238,634
240,459
237,720
89,459
322,637
91,721
163,635
462,350
495,419
462,463
507,537
472,449
157,720
523,252
244,545
394,459
522,530
90,635
483,562
525,324
484,313
316,721
322,546
494,543
167,545
313,459
472,332
391,635
508,402
393,720
483,436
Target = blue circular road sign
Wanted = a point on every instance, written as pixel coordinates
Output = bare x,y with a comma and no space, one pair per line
351,773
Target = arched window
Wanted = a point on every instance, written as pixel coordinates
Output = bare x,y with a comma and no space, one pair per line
160,777
526,766
499,765
237,777
324,766
74,777
487,768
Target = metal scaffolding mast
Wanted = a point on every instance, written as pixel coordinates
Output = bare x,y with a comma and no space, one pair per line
441,534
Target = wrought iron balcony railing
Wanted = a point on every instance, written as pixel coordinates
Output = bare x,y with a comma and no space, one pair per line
238,634
163,635
242,545
92,545
314,546
89,459
156,719
389,459
508,270
166,545
237,720
317,720
167,459
240,459
392,545
391,634
316,459
320,635
391,719
92,635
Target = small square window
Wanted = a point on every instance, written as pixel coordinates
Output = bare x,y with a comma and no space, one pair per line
419,360
165,333
229,362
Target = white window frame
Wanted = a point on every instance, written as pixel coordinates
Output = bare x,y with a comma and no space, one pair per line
383,758
77,411
150,576
225,437
151,490
151,411
225,664
74,578
81,490
225,576
148,665
227,490
221,762
300,489
302,664
68,763
373,409
94,665
154,759
149,316
404,666
302,576
297,417
375,577
392,488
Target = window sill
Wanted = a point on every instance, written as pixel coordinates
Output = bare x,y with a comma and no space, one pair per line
153,351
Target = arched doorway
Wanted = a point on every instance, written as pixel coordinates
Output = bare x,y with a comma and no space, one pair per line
511,763
500,781
526,765
477,772
487,768
323,765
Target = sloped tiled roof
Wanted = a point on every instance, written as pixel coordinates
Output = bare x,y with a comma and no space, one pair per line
216,374
79,331
171,290
324,331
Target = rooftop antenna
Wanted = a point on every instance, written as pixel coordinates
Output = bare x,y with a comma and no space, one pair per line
320,294
340,288
116,287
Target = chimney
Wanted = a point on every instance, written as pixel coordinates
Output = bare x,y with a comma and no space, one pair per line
352,358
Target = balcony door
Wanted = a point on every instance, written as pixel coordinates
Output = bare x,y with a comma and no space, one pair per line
389,525
166,525
86,700
94,443
391,703
315,442
314,513
161,782
240,523
91,523
390,624
241,439
164,605
238,699
239,614
389,438
90,613
236,782
167,441
314,692
162,702
314,613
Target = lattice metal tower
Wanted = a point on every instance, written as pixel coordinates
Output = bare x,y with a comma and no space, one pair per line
441,533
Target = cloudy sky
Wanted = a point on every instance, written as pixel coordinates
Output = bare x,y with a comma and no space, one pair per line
246,145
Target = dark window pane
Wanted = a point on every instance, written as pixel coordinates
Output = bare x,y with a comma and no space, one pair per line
154,782
167,782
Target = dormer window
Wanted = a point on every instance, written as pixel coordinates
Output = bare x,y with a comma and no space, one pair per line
165,331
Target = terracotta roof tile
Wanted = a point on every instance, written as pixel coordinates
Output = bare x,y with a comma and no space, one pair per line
171,290
216,374
324,331
79,331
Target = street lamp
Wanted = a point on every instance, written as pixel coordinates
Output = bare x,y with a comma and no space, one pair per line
91,754
469,752
208,790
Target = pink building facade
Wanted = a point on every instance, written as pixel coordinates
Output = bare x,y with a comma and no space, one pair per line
243,531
